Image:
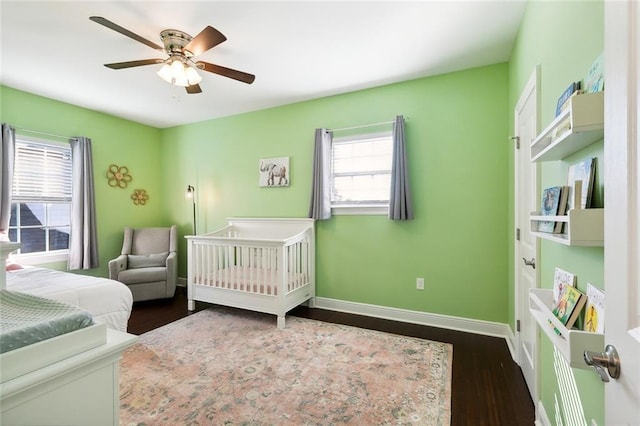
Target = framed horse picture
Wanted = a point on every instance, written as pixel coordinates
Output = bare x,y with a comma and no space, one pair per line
274,172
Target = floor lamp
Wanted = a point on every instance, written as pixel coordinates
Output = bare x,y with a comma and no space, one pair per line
190,193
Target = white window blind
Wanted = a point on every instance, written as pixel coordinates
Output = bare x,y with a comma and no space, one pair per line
361,170
42,172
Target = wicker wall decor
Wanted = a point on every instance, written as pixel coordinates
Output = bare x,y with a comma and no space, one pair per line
140,197
118,176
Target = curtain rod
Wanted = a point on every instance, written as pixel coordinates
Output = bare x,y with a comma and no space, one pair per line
35,132
364,125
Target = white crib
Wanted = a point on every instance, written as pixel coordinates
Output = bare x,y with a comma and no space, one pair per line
263,265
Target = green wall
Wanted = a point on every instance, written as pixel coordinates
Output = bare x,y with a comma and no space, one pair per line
114,141
456,126
458,156
564,38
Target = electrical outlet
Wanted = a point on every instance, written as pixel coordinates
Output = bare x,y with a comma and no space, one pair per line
419,283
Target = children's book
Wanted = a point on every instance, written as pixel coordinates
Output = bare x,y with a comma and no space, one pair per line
562,208
594,80
563,100
549,207
562,279
583,171
569,306
594,312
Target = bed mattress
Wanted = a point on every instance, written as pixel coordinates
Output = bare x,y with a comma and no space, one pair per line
108,301
26,319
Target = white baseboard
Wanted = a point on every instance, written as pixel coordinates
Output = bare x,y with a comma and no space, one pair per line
541,415
511,343
486,328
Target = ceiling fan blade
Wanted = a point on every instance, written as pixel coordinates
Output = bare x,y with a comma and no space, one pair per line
130,64
194,88
208,38
115,27
226,72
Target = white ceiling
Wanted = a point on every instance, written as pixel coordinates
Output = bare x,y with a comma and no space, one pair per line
298,50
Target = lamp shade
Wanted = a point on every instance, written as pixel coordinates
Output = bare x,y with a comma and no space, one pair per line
165,73
192,75
178,74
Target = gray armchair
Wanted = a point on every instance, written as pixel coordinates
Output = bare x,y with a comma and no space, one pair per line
148,263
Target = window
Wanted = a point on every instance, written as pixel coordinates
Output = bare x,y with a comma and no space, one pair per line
41,196
361,173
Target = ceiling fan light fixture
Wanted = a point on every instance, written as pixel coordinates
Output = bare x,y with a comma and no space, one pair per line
179,73
165,73
192,75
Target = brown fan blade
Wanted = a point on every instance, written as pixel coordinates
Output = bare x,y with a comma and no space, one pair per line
130,64
208,38
226,72
194,88
115,27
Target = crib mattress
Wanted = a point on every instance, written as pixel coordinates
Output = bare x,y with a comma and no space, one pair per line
26,319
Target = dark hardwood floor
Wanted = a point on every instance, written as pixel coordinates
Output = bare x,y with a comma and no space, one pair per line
487,386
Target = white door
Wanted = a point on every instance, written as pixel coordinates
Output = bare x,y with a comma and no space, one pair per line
622,208
526,245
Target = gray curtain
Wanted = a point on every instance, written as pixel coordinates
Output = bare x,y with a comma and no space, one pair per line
83,244
400,207
6,173
320,208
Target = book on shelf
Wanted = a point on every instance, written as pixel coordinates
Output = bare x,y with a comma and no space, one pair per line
594,312
553,203
562,209
594,80
569,306
563,100
562,279
585,172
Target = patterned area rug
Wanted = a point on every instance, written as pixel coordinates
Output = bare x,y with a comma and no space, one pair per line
227,366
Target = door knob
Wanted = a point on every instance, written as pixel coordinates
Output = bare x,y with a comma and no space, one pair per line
608,360
531,262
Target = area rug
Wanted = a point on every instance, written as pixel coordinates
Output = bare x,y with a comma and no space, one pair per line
228,366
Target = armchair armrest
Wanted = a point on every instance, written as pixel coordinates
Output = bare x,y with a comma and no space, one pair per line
117,265
172,272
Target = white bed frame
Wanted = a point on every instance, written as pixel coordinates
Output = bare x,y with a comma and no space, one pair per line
5,250
72,379
263,265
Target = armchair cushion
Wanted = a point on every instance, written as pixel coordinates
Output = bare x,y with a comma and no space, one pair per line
143,275
147,260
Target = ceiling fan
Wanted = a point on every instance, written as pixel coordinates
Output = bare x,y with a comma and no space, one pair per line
180,67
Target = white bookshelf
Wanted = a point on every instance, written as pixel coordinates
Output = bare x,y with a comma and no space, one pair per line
570,343
584,227
578,126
